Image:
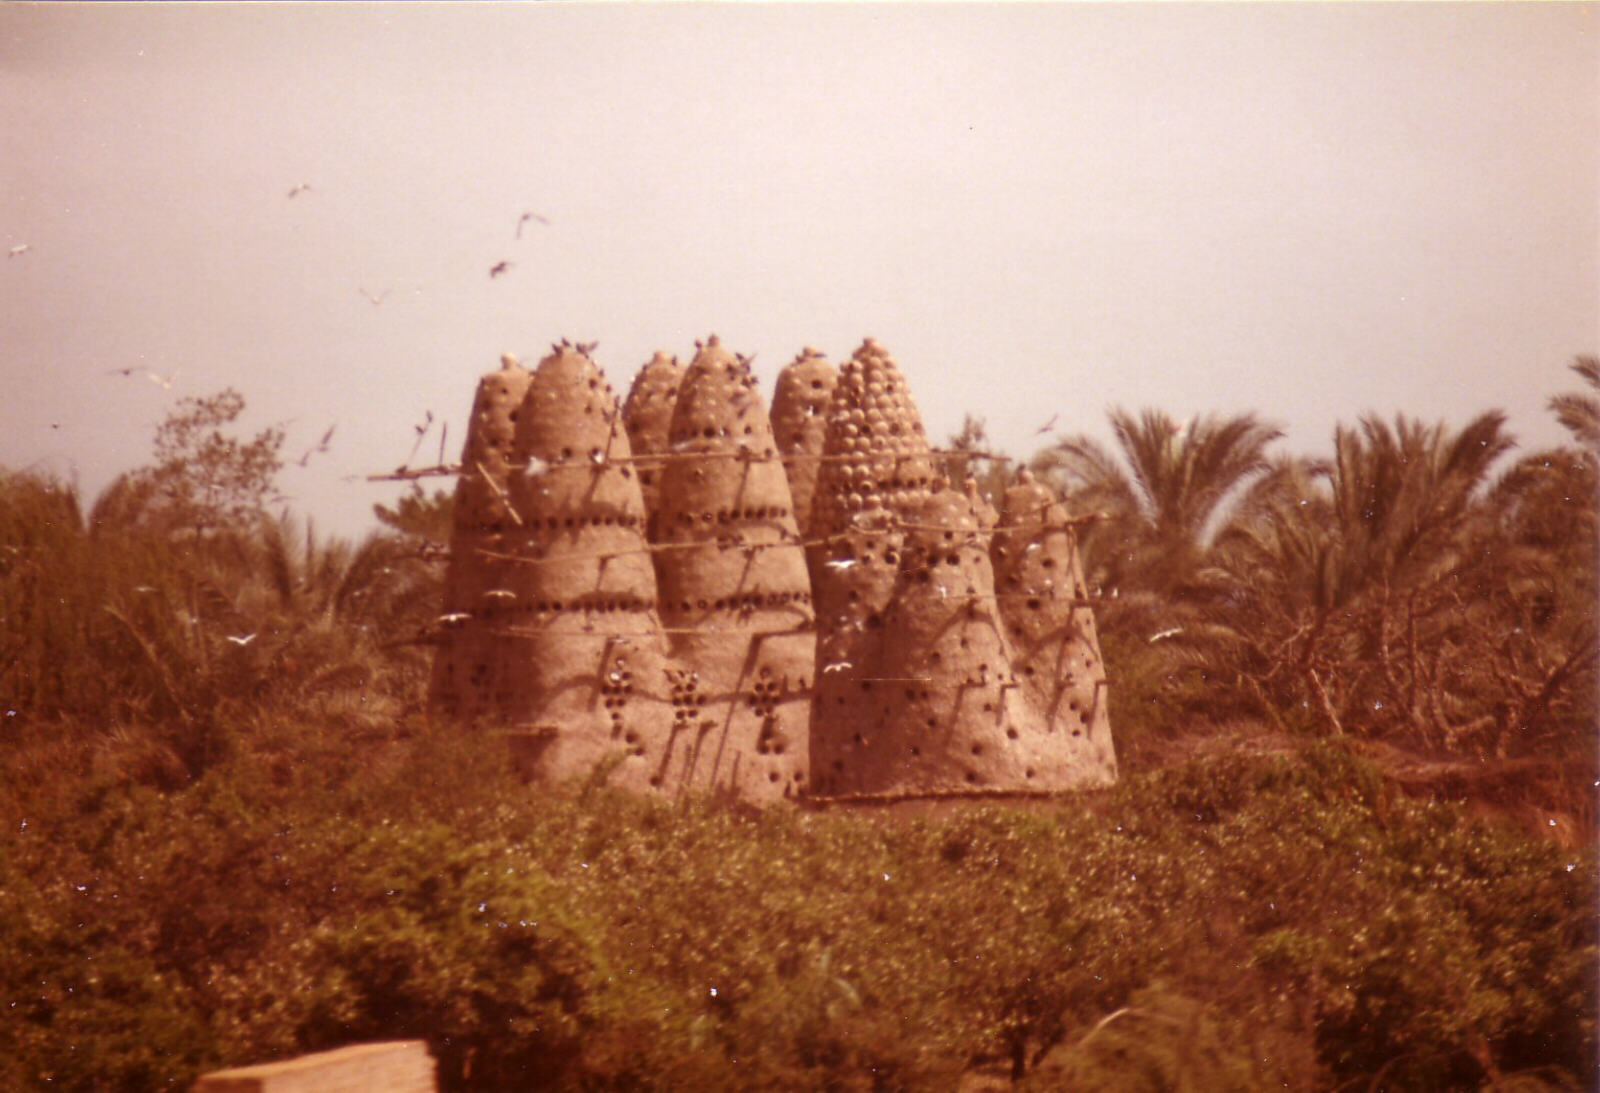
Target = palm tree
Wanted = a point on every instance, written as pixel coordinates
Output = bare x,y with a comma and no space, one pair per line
1366,597
1165,498
1581,413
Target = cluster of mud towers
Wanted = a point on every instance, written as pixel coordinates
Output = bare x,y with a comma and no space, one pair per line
685,594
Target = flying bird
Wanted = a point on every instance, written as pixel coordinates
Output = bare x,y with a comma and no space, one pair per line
836,666
1047,426
163,382
322,445
454,617
841,563
374,300
525,217
498,268
499,594
241,639
1164,634
301,188
19,250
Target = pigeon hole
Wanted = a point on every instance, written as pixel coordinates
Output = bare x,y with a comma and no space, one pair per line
581,619
734,589
800,423
1039,574
647,415
471,674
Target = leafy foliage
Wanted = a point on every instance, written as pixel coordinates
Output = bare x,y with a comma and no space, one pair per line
1335,929
203,478
419,515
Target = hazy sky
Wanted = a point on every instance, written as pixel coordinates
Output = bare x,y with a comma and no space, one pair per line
1310,211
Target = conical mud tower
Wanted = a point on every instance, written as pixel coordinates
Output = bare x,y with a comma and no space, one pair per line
876,469
1043,600
950,650
800,423
581,610
471,670
648,417
734,592
944,713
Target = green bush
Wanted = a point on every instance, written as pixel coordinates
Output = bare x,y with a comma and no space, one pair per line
1293,919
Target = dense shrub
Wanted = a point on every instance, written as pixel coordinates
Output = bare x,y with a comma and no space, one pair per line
1290,920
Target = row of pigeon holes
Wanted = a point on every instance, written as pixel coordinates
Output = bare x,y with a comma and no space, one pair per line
597,606
718,432
734,516
922,561
1001,553
750,601
874,431
576,523
862,553
596,457
849,472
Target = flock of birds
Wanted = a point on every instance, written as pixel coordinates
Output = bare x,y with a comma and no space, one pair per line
376,299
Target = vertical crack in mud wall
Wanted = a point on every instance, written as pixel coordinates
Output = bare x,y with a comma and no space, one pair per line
952,649
734,589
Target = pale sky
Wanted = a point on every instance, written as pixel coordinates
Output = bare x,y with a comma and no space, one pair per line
1308,211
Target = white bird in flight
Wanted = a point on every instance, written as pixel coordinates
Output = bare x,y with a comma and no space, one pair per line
374,300
241,639
163,382
525,217
19,250
300,188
